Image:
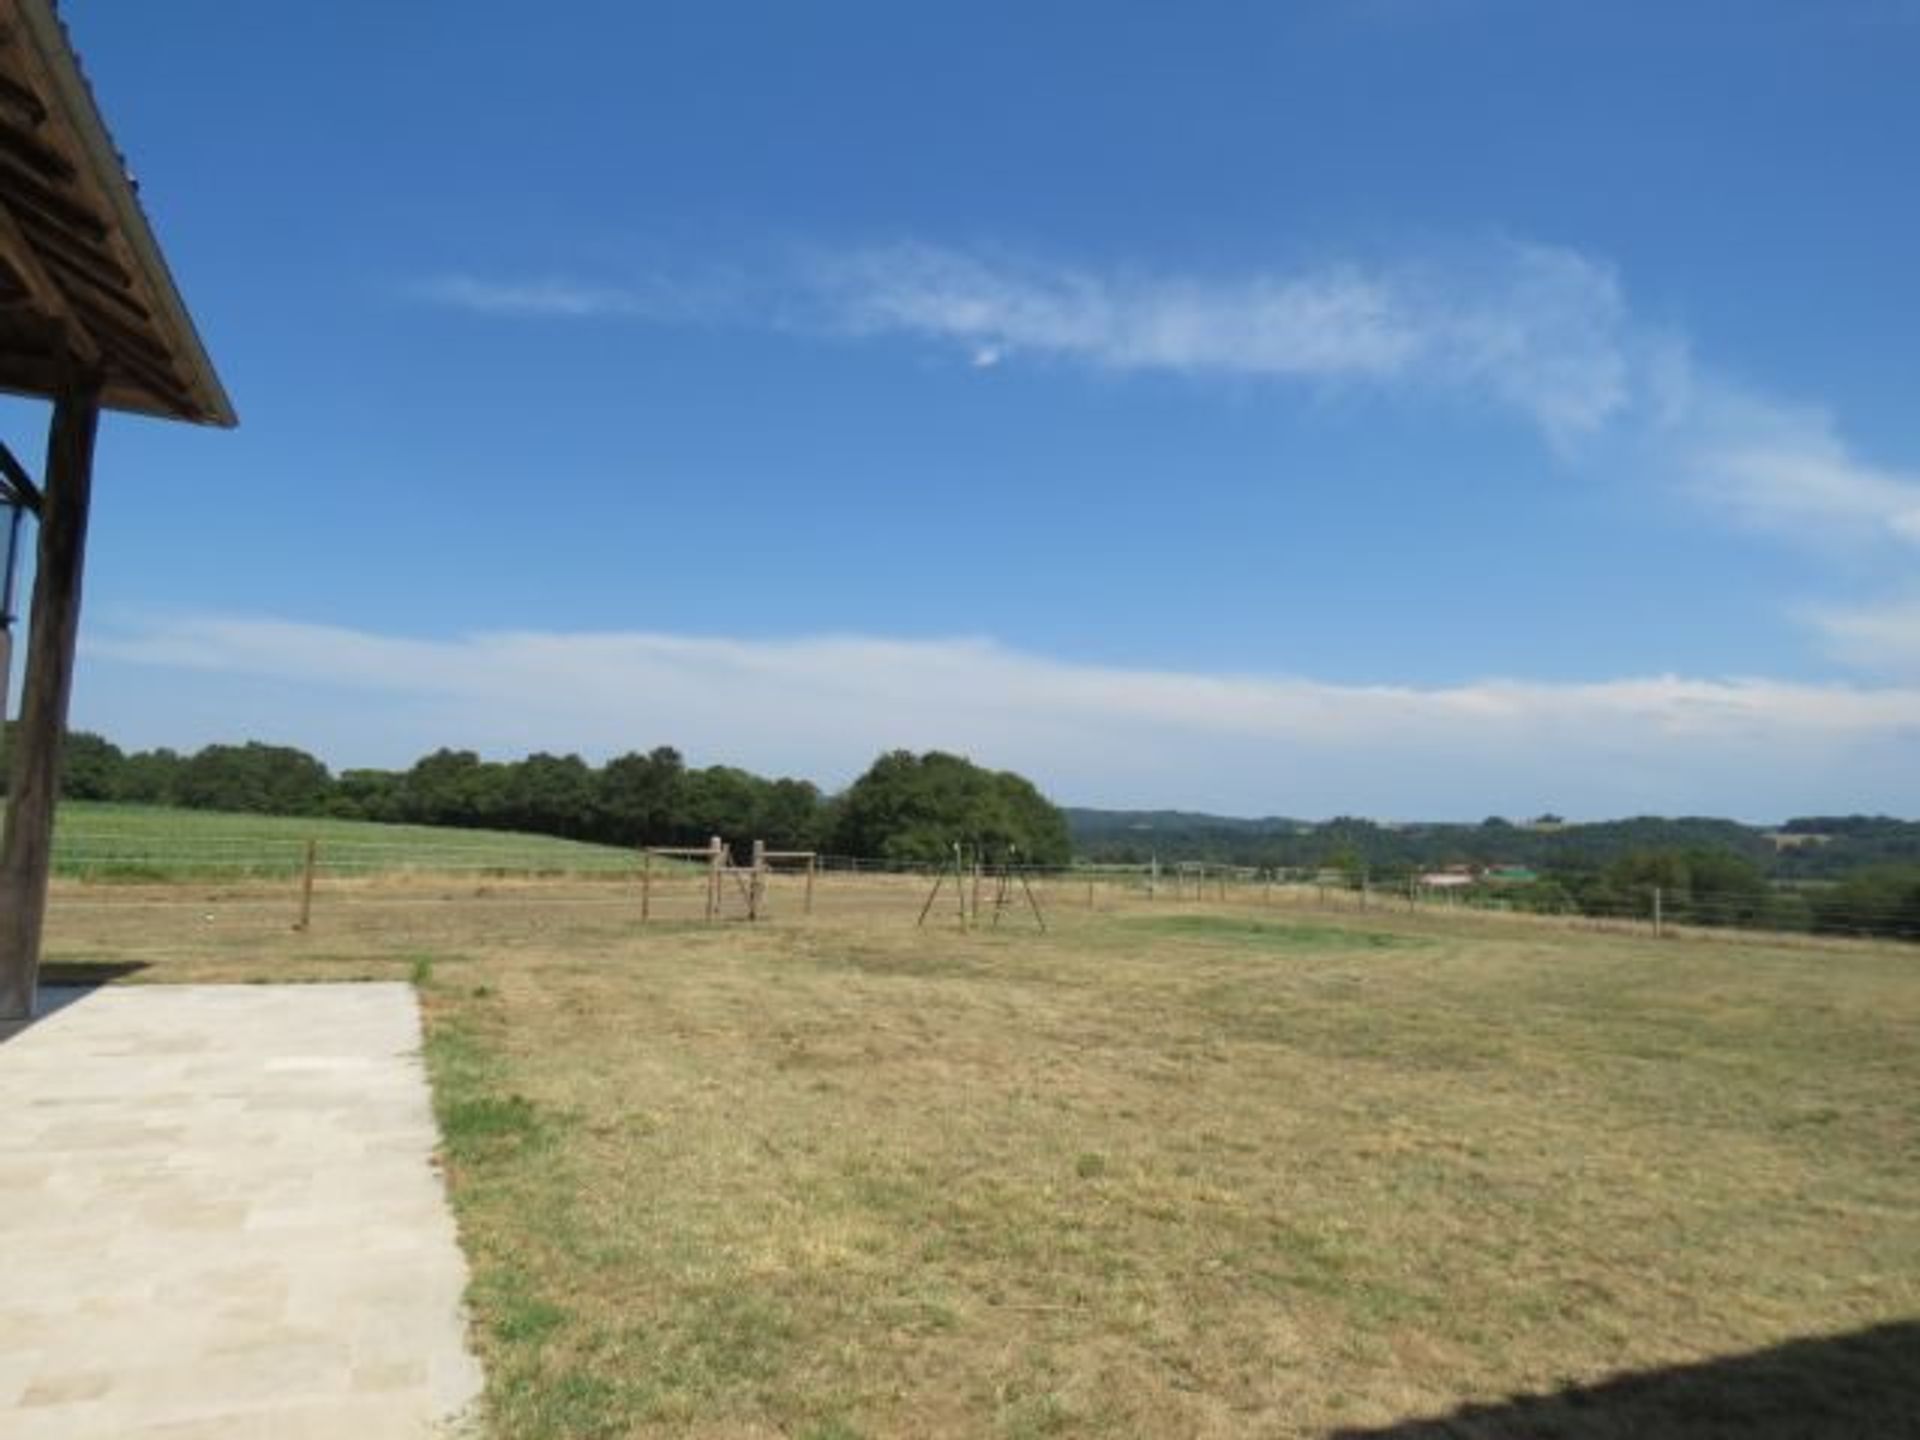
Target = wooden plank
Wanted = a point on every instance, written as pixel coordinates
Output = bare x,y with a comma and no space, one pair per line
26,849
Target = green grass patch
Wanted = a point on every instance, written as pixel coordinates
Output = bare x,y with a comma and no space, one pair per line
1243,932
136,844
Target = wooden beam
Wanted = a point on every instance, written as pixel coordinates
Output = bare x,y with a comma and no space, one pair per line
20,102
52,239
115,336
65,268
26,849
51,298
28,191
49,164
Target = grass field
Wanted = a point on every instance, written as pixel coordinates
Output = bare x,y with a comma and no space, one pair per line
1163,1171
151,842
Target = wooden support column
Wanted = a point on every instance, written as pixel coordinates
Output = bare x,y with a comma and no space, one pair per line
26,850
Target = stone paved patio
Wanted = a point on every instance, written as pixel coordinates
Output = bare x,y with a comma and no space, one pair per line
219,1217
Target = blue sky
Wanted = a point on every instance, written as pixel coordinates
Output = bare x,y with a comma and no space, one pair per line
1417,409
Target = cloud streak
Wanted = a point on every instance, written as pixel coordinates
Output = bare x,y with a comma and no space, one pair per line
1882,638
1538,328
823,706
1541,333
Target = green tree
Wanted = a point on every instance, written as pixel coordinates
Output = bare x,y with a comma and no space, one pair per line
256,778
637,797
917,807
151,777
548,795
91,767
719,800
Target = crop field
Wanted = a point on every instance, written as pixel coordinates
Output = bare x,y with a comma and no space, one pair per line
151,842
1166,1169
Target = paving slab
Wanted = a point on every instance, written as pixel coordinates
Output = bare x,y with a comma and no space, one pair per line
219,1217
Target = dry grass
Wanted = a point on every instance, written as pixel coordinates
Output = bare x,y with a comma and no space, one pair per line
1159,1172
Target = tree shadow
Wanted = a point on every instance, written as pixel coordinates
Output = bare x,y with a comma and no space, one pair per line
1841,1387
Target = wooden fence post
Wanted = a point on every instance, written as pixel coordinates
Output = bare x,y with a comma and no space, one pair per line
646,886
714,853
813,862
960,883
757,884
306,887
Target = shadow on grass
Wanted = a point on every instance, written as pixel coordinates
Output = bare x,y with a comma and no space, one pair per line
1839,1387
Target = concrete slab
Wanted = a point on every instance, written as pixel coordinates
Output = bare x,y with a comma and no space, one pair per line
219,1217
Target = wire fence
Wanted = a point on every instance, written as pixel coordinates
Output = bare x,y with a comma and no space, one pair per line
195,887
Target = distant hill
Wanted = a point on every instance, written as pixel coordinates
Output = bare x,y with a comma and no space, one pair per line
1815,847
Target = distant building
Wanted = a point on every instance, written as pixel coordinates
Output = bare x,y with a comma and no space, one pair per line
1795,839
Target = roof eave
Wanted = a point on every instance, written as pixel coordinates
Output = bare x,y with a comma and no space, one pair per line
48,37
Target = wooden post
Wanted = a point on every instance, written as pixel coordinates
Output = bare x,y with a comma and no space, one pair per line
646,885
306,887
1657,916
714,852
813,862
976,885
960,885
757,885
26,851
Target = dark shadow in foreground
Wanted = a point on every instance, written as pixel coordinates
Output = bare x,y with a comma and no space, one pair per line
66,981
1858,1386
88,972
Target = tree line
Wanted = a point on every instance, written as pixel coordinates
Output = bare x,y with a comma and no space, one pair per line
906,807
1718,888
1860,877
1844,844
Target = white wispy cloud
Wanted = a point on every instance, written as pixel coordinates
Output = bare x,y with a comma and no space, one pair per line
1542,332
1883,638
552,298
824,705
1786,469
1538,328
711,295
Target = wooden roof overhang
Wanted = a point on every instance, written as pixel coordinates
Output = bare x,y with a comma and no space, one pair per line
83,286
89,318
